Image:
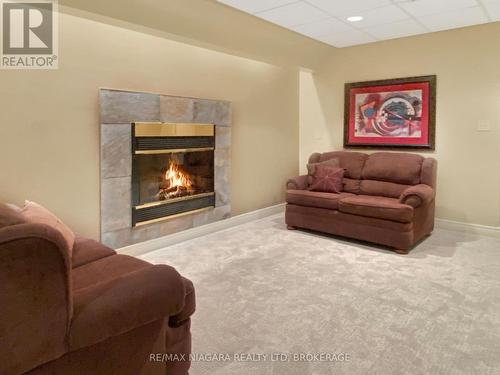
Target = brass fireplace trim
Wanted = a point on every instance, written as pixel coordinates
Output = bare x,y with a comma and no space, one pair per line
163,129
174,216
172,151
169,201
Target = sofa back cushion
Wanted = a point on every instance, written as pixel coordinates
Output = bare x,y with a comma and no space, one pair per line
352,162
381,188
351,185
399,168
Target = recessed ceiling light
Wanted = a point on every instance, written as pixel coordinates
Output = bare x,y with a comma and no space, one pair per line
354,18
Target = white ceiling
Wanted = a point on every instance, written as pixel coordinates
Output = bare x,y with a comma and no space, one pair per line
326,20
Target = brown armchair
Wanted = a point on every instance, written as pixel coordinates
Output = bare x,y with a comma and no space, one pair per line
96,312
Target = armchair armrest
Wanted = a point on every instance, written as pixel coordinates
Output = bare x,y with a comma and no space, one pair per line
35,296
298,183
111,308
417,195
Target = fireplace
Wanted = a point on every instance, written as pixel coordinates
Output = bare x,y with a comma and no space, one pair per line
172,170
162,138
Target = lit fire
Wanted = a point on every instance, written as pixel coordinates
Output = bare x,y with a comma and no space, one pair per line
176,184
177,177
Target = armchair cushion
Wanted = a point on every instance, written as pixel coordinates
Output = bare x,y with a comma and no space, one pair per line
86,250
298,183
417,195
105,269
119,305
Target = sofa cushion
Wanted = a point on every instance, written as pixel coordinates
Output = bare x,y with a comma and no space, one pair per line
382,188
315,198
399,168
86,250
353,162
327,179
377,207
350,185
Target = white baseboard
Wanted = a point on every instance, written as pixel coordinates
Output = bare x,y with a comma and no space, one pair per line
459,226
161,242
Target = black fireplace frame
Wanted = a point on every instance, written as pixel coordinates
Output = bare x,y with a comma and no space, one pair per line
168,138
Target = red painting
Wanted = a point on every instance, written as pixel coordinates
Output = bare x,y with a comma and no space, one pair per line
391,113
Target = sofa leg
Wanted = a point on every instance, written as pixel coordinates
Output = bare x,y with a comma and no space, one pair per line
291,227
401,251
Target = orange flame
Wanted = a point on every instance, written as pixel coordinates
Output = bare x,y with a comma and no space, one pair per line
176,177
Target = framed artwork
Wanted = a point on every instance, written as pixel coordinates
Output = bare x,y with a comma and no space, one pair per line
394,113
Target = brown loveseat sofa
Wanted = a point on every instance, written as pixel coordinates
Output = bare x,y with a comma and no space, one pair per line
387,198
95,312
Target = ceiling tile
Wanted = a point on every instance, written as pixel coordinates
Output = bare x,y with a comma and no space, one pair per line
293,14
493,10
426,7
346,8
455,19
255,6
381,16
396,30
349,38
325,20
324,27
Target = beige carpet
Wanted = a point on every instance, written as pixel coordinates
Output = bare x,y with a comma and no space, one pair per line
262,289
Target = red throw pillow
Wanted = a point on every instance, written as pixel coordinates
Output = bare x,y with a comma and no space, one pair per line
327,179
311,167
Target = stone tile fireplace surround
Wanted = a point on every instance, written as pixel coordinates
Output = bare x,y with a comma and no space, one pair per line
119,109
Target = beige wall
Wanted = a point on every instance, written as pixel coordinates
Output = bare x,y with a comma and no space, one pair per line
211,24
49,122
466,62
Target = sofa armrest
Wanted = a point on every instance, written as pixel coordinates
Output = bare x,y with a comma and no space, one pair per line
35,296
417,195
115,307
298,183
